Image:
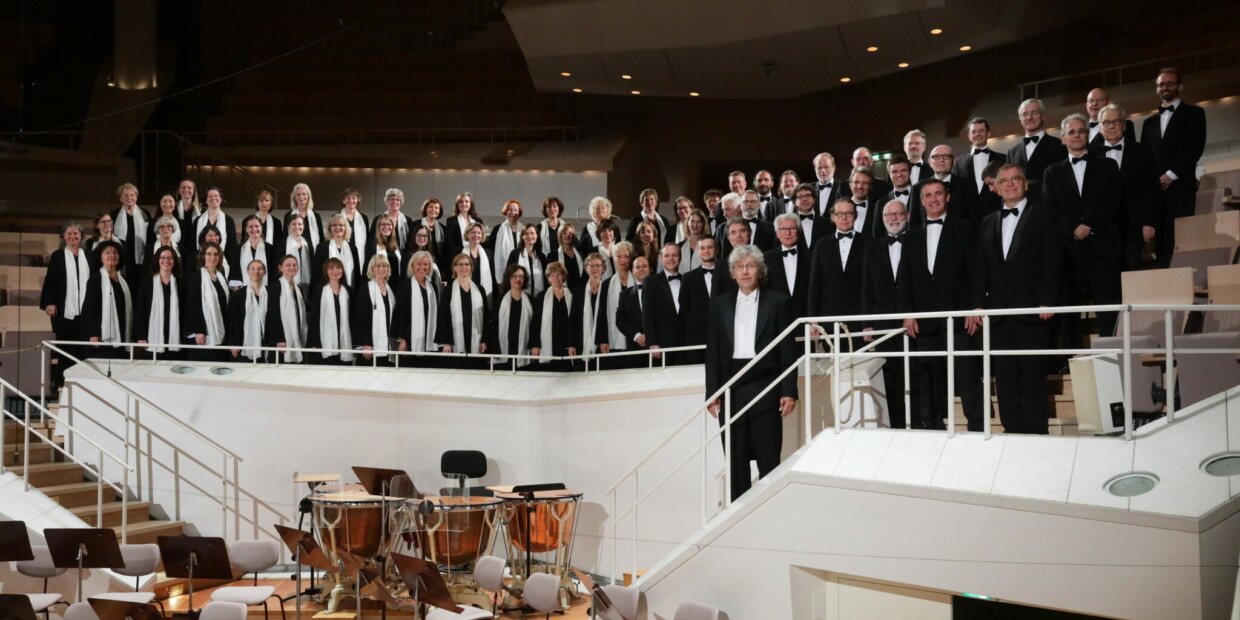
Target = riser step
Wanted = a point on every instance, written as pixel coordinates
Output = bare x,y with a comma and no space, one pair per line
13,432
150,531
78,494
139,512
39,452
52,474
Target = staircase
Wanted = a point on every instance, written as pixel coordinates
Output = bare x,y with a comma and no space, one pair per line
69,485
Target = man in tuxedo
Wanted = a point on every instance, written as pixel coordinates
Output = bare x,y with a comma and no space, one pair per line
629,310
741,325
885,277
1084,194
941,158
699,286
969,166
1097,99
761,233
879,186
1177,136
827,189
867,221
662,317
1037,149
736,182
785,202
1139,196
764,183
914,148
711,199
735,232
940,258
898,168
813,227
1019,265
789,264
837,267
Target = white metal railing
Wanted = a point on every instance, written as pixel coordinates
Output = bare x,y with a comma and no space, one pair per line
139,438
23,424
812,332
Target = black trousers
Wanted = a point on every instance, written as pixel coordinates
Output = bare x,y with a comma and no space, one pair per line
1089,279
893,379
1020,381
757,435
1176,203
932,378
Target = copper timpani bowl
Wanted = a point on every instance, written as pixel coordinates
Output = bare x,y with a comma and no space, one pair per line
355,522
547,520
457,531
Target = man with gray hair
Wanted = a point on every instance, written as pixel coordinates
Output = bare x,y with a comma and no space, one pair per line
789,263
1097,99
884,279
761,233
1138,213
1037,149
914,148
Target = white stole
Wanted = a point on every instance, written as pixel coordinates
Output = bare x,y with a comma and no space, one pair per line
121,229
255,319
689,259
303,258
523,330
111,330
422,325
75,284
534,271
249,254
544,328
312,226
293,319
577,258
269,230
484,266
359,228
346,256
211,306
458,324
221,220
614,287
329,337
380,317
155,327
589,314
545,235
504,244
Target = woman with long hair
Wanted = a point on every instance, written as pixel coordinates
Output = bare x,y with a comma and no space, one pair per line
423,240
568,255
157,320
64,292
529,255
646,242
374,308
481,272
337,245
253,247
206,304
301,202
167,209
432,211
549,228
463,314
108,315
417,310
105,230
464,215
330,317
384,242
287,322
295,245
358,222
696,227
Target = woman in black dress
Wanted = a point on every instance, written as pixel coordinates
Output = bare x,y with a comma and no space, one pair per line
64,292
247,315
417,310
374,308
157,320
108,312
206,304
552,332
286,320
330,316
463,315
513,318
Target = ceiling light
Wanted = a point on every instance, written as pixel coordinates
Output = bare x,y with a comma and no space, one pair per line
965,48
903,65
693,94
566,74
845,79
872,48
636,92
576,90
937,31
626,77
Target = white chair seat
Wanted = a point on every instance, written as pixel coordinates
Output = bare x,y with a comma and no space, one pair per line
470,613
41,602
223,610
246,595
144,598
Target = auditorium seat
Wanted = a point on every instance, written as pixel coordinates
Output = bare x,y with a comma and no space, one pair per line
1202,375
1211,200
1224,285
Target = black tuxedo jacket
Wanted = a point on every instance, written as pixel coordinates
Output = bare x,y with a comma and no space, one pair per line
778,207
1049,150
1179,150
777,277
629,314
838,189
695,301
923,166
661,322
970,203
1030,274
822,228
1138,178
873,226
1097,206
878,188
948,287
835,289
880,288
1130,134
958,187
774,315
764,235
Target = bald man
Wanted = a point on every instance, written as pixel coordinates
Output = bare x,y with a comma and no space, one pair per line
1097,99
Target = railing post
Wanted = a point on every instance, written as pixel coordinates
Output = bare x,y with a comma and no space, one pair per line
1127,372
986,376
951,377
224,497
615,533
124,508
43,386
807,408
908,390
727,447
835,378
176,482
69,401
99,491
1169,382
236,479
705,482
26,447
634,544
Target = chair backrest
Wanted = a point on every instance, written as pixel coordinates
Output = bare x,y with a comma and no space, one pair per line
1209,230
139,559
41,566
1211,200
1203,375
252,556
1223,282
542,592
1201,260
1157,287
624,600
223,610
471,463
489,572
80,611
690,610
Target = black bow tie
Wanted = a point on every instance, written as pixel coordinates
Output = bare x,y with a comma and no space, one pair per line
792,252
900,192
938,221
842,235
859,205
1117,147
1166,108
894,240
1093,124
980,151
822,186
674,276
1075,160
1033,139
1006,212
806,216
764,198
708,270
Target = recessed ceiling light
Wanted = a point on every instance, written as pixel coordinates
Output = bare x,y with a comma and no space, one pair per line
903,65
566,74
845,79
937,31
626,77
965,48
576,90
693,94
636,92
872,48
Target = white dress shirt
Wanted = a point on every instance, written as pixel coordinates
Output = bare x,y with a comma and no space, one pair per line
933,234
1163,119
914,170
903,197
708,277
1008,224
1094,129
845,249
894,250
979,163
675,286
790,266
745,326
807,231
824,197
1078,170
859,222
1118,156
1030,146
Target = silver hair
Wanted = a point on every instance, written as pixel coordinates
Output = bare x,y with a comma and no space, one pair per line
788,217
1028,102
915,132
1113,107
742,252
393,191
731,198
1075,116
292,202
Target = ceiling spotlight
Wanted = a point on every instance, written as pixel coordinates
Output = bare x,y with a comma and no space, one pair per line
903,65
434,153
576,90
965,48
511,152
937,31
636,92
872,48
566,74
845,79
693,94
626,77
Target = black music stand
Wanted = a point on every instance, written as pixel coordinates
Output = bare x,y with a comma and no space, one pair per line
423,579
527,491
15,542
108,609
378,481
83,548
306,551
16,606
599,597
187,557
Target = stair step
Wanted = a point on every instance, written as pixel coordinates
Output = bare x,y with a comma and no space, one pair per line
150,531
13,431
52,474
77,494
39,452
139,512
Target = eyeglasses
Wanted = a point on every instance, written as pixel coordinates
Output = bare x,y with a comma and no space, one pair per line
845,214
787,228
1010,180
941,156
800,196
894,215
1113,123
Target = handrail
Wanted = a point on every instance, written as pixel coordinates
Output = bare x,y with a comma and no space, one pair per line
230,163
1158,61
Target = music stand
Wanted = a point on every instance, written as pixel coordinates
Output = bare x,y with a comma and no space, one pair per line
15,542
416,573
16,607
187,557
304,507
377,481
83,548
306,551
108,609
599,597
